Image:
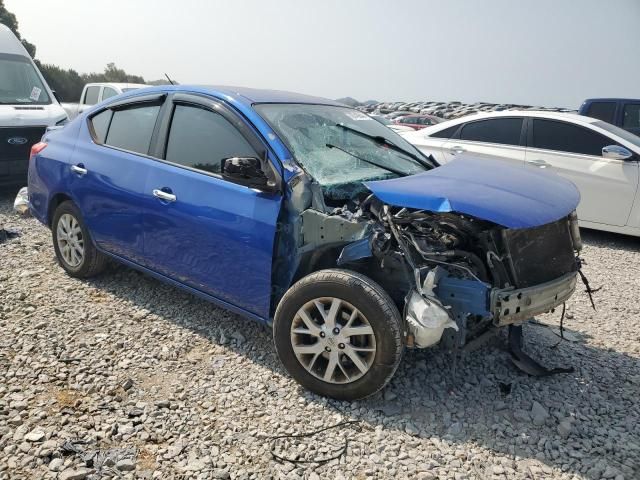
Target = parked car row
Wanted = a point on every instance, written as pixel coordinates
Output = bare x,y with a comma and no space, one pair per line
446,110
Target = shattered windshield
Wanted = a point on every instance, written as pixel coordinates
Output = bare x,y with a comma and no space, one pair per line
20,83
328,140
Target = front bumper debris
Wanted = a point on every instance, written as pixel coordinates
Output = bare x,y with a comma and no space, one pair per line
511,306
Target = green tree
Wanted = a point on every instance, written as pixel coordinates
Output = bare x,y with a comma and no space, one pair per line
9,19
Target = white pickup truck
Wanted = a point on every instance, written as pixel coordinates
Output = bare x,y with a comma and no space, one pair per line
94,93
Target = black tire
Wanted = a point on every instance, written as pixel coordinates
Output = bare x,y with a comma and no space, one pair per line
93,262
372,301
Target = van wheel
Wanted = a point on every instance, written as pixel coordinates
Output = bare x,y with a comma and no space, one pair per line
338,334
72,243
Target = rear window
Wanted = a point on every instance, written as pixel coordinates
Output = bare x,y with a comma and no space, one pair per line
566,137
604,111
131,129
91,95
504,131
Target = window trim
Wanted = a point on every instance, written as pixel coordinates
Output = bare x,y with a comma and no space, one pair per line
160,137
530,146
123,105
523,132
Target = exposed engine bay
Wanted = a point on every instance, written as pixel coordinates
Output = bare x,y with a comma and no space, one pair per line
454,277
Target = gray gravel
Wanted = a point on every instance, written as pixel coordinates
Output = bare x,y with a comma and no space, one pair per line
125,377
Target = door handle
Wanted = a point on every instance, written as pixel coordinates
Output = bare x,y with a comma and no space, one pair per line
457,149
79,169
162,195
538,163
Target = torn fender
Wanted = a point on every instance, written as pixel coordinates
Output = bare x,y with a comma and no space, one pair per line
511,196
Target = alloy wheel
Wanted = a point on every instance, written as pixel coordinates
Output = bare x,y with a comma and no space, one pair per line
333,340
70,240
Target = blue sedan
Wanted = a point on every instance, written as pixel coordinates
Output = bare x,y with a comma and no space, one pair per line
311,217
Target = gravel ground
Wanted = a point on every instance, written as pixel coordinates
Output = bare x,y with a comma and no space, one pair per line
123,376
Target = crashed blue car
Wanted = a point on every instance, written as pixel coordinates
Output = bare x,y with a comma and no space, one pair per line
311,217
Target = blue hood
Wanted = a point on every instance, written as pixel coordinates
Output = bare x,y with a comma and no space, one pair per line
511,196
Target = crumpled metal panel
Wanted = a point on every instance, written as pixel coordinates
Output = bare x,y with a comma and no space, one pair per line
511,196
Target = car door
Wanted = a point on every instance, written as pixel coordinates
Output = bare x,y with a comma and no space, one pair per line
607,186
203,230
502,138
108,173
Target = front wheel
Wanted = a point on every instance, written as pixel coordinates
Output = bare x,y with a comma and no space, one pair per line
338,334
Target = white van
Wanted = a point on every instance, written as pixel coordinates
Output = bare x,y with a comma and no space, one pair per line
27,108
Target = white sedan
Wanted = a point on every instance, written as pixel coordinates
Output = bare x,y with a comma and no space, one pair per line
600,158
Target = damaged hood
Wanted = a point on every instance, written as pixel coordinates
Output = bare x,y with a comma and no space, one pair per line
511,196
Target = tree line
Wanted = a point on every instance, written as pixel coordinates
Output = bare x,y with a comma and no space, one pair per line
67,83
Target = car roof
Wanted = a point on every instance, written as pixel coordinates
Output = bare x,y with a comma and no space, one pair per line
571,117
257,95
611,99
242,95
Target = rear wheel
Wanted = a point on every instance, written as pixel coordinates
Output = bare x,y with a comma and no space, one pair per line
338,334
72,243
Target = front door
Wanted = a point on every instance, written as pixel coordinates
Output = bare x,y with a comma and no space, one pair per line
202,230
607,187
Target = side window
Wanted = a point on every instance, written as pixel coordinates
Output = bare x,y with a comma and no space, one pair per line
91,95
108,92
203,139
131,128
446,133
100,125
631,116
505,131
406,120
604,111
565,137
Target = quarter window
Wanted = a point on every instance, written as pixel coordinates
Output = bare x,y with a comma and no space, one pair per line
91,95
505,131
131,128
202,139
565,137
602,111
446,133
100,124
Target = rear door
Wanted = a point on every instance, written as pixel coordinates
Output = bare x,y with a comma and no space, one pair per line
501,138
607,187
202,230
108,174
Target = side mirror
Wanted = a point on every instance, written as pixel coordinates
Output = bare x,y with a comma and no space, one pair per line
616,152
245,171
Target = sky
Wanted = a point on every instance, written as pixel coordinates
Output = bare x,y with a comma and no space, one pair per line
535,52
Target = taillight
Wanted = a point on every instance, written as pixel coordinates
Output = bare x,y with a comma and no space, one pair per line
36,149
